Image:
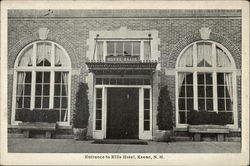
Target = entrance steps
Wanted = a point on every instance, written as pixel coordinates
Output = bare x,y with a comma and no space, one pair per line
180,138
181,135
60,136
121,141
64,132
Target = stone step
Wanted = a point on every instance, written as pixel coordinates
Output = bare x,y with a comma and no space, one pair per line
209,139
181,139
15,135
120,141
61,136
64,132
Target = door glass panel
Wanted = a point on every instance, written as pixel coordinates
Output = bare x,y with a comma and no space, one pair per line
98,125
146,93
146,109
146,104
98,117
146,125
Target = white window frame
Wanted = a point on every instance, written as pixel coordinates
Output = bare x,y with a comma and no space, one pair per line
124,34
52,69
214,70
105,46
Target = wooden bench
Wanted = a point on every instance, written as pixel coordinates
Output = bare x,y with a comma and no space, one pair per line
197,130
26,127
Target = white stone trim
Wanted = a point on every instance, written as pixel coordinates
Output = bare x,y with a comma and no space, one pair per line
205,33
43,33
124,33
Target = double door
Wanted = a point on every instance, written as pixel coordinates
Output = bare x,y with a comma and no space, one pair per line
122,113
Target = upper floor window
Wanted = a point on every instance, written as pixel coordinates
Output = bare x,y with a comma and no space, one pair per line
123,45
42,79
123,50
206,81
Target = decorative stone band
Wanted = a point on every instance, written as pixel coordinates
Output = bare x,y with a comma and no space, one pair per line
122,58
140,67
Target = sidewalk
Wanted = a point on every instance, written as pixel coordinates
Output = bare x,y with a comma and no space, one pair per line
20,145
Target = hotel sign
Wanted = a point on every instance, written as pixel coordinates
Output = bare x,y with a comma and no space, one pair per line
122,58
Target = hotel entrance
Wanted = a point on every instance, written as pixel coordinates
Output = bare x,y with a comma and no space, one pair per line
122,97
122,108
122,113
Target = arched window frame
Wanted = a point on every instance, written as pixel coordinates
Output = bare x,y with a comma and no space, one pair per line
214,70
33,69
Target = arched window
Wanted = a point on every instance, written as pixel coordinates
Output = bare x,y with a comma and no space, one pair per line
206,81
42,79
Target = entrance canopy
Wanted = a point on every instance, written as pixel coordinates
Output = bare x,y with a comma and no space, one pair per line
129,68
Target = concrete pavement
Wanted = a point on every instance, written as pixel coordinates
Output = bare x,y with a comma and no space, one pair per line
31,145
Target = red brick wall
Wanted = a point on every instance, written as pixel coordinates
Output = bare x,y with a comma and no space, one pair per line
175,33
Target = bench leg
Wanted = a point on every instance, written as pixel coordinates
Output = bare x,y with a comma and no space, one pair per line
48,134
197,137
26,133
220,137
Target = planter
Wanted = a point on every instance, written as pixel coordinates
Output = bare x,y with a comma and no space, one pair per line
80,133
163,135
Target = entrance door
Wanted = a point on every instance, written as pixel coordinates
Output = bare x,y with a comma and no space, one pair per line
122,113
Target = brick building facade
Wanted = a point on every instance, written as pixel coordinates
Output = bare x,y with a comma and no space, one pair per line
169,33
